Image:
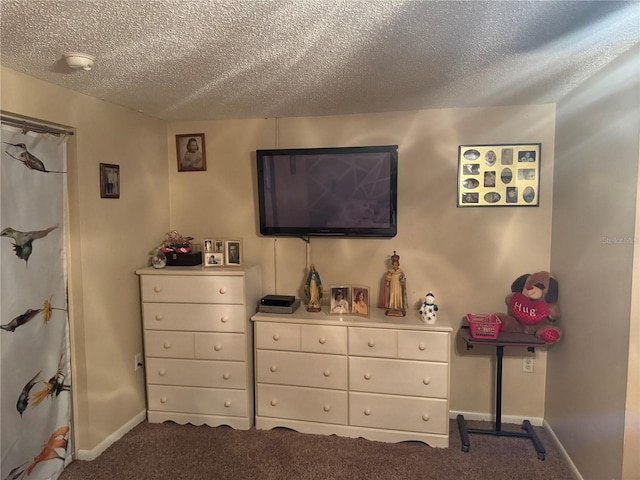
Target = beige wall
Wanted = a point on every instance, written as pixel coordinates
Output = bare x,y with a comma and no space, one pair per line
468,257
592,380
108,240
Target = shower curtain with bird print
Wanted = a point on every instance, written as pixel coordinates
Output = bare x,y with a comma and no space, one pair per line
35,380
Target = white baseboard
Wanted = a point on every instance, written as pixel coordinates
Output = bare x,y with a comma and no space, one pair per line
574,470
490,417
111,439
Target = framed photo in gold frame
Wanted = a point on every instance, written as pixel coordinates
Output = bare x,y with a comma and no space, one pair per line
499,175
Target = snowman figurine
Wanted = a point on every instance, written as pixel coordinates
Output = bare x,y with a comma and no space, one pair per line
428,309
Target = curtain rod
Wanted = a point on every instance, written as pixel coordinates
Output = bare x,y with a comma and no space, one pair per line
30,126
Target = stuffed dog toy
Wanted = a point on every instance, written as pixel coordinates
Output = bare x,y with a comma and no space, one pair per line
533,307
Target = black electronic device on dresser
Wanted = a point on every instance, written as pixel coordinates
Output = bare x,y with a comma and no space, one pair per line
278,304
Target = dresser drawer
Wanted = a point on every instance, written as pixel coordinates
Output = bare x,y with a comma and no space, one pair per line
193,317
373,342
220,346
196,373
278,336
206,401
297,403
401,377
168,344
323,339
192,289
303,369
430,346
425,415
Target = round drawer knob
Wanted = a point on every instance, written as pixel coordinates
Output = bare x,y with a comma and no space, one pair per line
276,337
371,343
227,403
425,417
167,345
322,340
157,289
159,317
223,290
226,375
163,399
217,348
326,373
273,403
426,380
326,408
367,376
273,368
162,372
224,319
367,412
422,346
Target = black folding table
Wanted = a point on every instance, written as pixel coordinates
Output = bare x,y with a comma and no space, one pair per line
504,340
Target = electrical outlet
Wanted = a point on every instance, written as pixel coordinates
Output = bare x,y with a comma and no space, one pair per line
138,363
527,364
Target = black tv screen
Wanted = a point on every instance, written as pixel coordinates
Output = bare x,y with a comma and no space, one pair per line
344,191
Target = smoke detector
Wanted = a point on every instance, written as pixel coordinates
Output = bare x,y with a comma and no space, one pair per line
79,60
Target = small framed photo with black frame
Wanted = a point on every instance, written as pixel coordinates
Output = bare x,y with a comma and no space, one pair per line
359,296
109,180
213,259
233,253
190,151
339,304
499,175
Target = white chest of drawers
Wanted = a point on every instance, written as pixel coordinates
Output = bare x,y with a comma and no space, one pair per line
199,345
381,378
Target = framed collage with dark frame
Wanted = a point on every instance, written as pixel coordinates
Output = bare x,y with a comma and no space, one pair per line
499,175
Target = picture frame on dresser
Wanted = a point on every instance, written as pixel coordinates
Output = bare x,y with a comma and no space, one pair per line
233,253
359,304
214,259
339,304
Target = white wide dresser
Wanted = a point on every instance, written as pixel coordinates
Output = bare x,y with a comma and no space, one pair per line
381,378
198,344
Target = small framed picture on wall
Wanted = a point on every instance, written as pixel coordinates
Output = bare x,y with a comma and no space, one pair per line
233,253
109,180
190,151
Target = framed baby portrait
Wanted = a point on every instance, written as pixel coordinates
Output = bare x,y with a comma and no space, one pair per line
339,304
359,300
190,151
499,175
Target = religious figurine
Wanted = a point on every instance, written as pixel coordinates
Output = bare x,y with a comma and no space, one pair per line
313,290
395,290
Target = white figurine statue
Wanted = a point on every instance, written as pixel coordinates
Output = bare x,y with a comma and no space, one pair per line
428,309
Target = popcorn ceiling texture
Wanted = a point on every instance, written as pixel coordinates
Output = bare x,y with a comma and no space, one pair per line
182,60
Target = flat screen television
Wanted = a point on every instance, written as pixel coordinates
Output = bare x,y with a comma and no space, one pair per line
341,192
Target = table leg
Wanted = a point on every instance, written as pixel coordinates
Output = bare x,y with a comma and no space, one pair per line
497,431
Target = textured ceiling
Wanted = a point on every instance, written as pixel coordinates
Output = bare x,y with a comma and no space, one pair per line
219,59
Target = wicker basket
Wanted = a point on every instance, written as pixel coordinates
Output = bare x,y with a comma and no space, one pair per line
484,325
